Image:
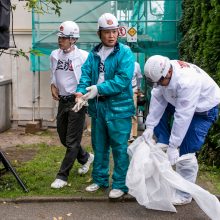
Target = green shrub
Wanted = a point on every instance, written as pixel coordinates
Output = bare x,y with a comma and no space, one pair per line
200,45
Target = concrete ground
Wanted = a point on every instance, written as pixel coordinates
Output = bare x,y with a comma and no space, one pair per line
93,210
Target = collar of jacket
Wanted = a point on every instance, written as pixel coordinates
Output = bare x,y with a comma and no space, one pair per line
98,47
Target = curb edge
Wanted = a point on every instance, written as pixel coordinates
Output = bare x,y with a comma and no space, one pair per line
126,198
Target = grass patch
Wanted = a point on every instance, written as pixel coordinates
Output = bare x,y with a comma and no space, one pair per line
40,171
209,178
47,132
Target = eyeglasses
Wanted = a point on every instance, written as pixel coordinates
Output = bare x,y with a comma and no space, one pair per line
162,78
63,38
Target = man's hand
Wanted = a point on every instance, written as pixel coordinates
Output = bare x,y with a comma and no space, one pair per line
80,102
55,92
173,155
138,91
77,95
92,92
148,135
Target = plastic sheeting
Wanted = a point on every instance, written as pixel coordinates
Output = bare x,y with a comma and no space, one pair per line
153,182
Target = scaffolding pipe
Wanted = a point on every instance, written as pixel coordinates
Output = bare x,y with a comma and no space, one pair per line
38,96
33,96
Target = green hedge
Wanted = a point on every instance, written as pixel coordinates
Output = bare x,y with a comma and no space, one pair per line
200,45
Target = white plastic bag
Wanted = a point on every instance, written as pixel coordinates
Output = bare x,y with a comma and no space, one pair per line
153,182
144,180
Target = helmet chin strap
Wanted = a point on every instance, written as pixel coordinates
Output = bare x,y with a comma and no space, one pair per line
70,48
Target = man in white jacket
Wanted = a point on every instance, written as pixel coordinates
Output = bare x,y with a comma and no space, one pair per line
66,65
184,105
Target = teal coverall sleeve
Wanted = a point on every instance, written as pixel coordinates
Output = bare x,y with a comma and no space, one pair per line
86,77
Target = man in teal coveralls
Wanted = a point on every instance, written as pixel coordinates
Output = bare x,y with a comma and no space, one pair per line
106,84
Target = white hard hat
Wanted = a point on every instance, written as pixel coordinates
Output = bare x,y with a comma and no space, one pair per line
107,21
68,29
156,67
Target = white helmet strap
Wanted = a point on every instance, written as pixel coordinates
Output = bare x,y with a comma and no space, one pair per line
69,49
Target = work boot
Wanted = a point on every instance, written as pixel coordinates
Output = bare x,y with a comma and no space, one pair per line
58,183
92,188
85,168
116,193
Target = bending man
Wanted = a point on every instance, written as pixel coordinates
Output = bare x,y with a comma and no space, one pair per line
189,95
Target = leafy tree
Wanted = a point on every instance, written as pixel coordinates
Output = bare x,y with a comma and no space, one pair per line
212,43
185,28
201,45
199,57
41,7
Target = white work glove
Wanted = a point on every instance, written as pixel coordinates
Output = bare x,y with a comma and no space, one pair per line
92,92
162,146
173,155
148,135
80,102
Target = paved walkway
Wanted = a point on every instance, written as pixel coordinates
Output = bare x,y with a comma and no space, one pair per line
101,209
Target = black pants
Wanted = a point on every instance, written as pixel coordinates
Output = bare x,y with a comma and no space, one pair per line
70,128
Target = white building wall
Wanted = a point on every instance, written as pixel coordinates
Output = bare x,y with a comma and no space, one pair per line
31,96
18,69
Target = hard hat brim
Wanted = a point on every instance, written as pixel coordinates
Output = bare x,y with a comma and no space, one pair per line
59,34
108,28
